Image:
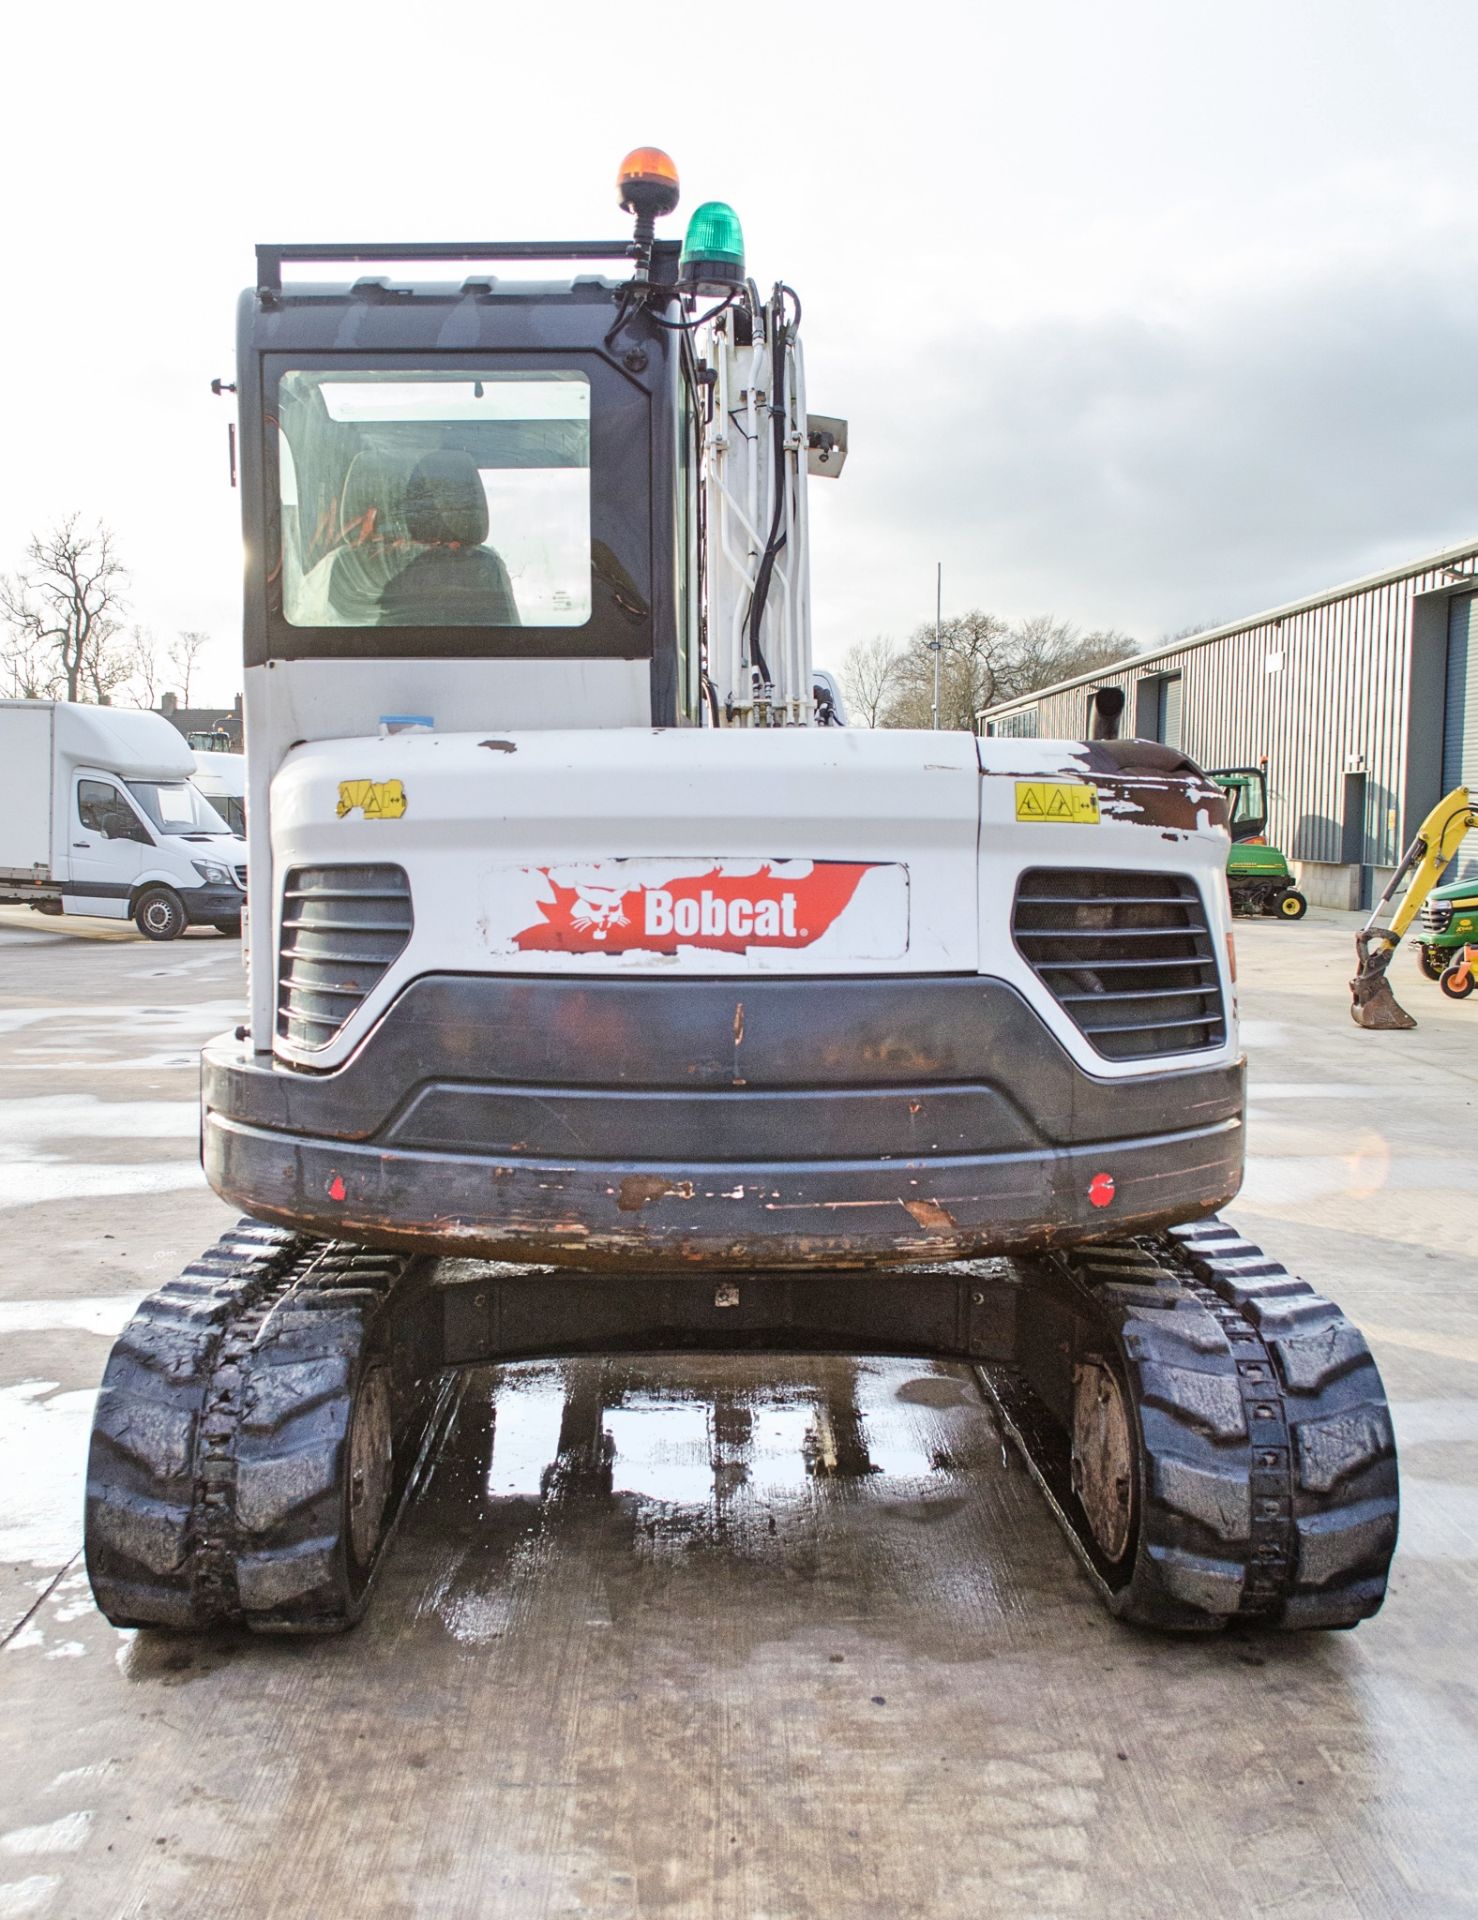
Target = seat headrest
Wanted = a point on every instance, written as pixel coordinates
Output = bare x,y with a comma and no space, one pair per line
445,505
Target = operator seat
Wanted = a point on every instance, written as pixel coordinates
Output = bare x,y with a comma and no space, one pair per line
455,581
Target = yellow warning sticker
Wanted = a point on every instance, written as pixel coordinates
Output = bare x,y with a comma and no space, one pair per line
1039,800
375,799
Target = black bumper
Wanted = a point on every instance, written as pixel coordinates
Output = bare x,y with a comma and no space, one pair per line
774,1123
206,905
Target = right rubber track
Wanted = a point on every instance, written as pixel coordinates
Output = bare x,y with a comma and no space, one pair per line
1343,1482
1266,1487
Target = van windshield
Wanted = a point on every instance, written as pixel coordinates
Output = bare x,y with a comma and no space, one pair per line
435,498
176,807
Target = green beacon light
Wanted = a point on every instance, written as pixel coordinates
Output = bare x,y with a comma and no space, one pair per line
713,251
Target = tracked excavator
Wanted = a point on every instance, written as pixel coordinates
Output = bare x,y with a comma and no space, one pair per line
1409,890
603,999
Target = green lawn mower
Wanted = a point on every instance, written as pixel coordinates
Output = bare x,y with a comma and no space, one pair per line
1258,877
1449,926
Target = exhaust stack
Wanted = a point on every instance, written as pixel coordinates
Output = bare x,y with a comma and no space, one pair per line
1106,713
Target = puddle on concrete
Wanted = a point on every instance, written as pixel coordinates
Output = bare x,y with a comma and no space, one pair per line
36,1182
64,1835
82,1116
21,1898
101,1313
101,1031
678,1458
43,1468
33,1171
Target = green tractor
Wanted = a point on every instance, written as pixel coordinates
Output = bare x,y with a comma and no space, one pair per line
1258,876
1449,924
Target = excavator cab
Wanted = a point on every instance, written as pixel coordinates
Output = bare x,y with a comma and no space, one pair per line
476,475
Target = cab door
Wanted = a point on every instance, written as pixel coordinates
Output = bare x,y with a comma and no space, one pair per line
107,846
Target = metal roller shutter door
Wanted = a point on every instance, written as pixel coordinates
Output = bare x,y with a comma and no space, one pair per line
1170,710
1460,718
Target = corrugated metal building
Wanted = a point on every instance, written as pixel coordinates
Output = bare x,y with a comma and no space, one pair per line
1362,702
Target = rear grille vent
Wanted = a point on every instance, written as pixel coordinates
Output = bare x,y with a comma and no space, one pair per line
1128,956
341,928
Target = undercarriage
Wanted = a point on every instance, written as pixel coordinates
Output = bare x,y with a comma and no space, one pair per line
1211,1434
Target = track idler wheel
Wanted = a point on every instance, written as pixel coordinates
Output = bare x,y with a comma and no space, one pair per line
1104,1456
258,1424
1211,1433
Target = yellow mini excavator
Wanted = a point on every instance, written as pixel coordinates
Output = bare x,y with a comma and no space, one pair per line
1437,840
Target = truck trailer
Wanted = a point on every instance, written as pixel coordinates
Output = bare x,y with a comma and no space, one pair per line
102,819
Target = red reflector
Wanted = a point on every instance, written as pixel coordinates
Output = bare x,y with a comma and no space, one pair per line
337,1189
1101,1189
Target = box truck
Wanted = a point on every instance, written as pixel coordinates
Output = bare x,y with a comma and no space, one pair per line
102,818
221,777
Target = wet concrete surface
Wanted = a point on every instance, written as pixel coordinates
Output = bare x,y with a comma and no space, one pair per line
757,1639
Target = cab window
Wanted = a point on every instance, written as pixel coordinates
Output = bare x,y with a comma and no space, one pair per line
101,808
435,498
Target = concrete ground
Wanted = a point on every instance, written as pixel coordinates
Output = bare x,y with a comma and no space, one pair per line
797,1642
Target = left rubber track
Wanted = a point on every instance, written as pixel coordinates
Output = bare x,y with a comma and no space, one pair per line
253,1438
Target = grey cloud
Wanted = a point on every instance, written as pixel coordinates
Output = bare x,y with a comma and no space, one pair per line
1148,474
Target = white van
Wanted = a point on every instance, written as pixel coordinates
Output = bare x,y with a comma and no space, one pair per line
102,819
221,777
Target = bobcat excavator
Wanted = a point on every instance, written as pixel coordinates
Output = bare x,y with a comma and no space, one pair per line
601,999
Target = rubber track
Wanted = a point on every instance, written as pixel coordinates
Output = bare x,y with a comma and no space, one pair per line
1267,1486
1340,1524
215,1490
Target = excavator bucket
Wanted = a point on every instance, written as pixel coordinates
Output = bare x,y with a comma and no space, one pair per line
1376,1007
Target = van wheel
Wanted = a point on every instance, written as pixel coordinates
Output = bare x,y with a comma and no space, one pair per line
159,914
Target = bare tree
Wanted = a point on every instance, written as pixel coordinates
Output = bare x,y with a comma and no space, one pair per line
983,660
972,654
28,668
63,606
1044,650
184,653
141,654
867,674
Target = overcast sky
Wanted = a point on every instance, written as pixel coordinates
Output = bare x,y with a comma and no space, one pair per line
1143,314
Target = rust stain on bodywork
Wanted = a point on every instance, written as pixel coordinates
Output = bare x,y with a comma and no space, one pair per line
1154,786
931,1215
640,1189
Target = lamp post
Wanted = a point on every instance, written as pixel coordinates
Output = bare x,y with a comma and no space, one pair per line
938,604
